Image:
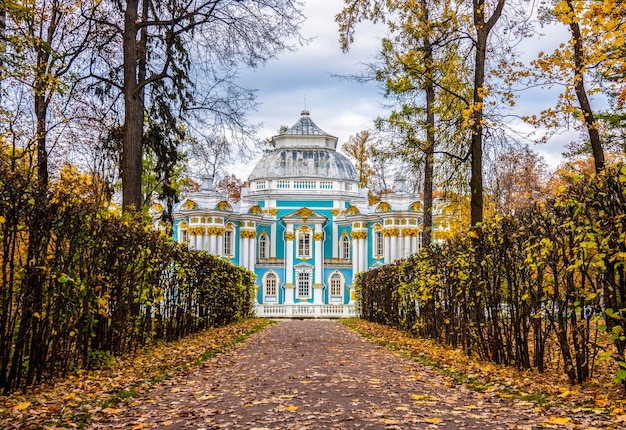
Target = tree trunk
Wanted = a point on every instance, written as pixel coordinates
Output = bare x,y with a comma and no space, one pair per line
581,94
482,33
131,168
430,139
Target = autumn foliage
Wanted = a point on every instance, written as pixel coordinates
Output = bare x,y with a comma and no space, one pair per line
80,284
544,288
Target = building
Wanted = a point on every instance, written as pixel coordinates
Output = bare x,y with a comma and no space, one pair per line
303,225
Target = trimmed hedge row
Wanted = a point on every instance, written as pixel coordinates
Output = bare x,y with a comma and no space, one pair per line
79,285
547,285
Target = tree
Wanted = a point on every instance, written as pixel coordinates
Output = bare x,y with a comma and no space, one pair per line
164,44
231,186
45,41
593,55
483,16
359,148
519,179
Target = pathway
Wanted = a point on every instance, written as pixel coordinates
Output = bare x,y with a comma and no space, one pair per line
315,374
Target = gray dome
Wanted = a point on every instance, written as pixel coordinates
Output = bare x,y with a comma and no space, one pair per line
304,151
304,163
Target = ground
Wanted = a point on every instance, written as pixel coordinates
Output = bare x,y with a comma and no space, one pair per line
313,374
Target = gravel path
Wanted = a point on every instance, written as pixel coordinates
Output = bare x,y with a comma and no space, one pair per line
312,374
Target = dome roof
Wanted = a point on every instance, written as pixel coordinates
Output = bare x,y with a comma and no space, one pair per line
304,163
304,151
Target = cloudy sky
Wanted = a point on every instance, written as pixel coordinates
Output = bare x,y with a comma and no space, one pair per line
338,106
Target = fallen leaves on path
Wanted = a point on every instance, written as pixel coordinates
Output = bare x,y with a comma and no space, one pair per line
599,396
74,400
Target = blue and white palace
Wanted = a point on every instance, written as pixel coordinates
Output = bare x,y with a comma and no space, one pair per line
303,225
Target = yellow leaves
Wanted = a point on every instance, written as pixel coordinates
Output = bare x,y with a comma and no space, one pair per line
207,397
432,420
22,406
557,421
292,408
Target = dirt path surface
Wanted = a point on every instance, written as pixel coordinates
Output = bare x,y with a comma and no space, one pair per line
320,375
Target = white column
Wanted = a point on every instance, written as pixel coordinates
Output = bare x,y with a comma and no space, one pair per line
356,254
273,240
289,288
252,252
335,238
318,287
363,255
394,248
220,244
415,242
212,242
243,250
387,250
408,250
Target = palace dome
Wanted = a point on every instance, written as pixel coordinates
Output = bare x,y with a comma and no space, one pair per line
304,151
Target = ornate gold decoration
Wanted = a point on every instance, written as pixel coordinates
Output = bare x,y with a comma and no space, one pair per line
318,236
397,222
415,206
247,234
250,224
224,206
403,222
304,213
183,224
304,229
194,220
388,221
383,207
378,227
335,212
273,211
351,210
231,226
359,235
218,220
216,231
189,205
409,232
289,236
196,231
391,232
412,222
256,210
263,232
156,208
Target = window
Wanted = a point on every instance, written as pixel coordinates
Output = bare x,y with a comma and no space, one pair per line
345,247
336,284
260,185
304,284
283,184
379,244
228,243
263,247
271,283
304,244
304,185
326,185
184,236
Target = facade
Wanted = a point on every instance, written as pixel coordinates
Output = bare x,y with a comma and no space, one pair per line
303,226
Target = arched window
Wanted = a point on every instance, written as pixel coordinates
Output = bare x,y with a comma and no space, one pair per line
304,244
271,284
183,233
304,284
379,244
263,245
336,284
228,245
344,247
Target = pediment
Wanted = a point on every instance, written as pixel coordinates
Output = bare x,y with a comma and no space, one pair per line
304,266
304,214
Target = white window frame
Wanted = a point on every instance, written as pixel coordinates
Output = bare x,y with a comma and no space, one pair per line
303,284
263,243
336,283
228,247
268,289
344,247
304,245
379,244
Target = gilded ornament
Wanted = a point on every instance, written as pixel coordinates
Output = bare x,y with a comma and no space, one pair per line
289,236
318,236
273,212
335,212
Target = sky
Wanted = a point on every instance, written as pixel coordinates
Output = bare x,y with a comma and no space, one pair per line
307,78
